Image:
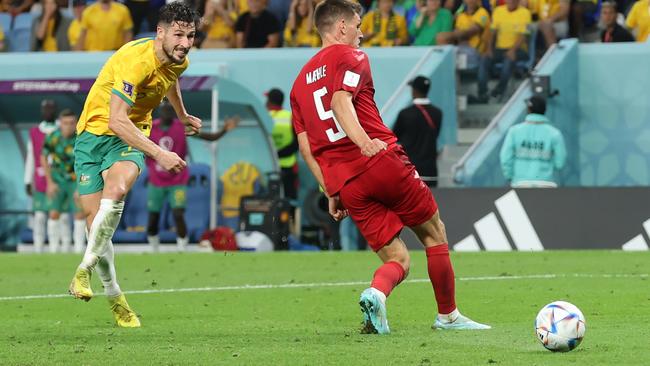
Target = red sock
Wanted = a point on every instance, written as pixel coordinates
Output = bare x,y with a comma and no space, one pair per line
386,277
441,274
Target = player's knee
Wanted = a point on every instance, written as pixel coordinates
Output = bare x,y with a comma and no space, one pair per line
116,190
55,215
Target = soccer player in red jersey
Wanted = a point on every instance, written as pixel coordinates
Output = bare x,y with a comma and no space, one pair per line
364,173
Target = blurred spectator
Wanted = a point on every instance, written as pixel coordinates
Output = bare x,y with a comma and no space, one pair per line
257,27
141,10
417,128
35,181
471,27
579,10
300,30
285,141
533,150
280,9
50,29
2,39
510,22
613,31
638,19
74,30
105,26
15,7
553,20
430,21
383,27
218,23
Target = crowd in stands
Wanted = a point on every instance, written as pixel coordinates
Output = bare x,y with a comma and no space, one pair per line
487,32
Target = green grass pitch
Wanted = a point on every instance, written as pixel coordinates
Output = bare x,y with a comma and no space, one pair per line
303,322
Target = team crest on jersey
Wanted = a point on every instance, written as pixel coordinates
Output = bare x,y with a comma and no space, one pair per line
84,180
128,88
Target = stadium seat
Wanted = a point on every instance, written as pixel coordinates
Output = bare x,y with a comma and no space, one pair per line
5,22
19,36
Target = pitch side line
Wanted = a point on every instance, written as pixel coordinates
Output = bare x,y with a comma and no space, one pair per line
334,284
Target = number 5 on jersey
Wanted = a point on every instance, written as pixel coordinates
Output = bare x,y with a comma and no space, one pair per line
332,135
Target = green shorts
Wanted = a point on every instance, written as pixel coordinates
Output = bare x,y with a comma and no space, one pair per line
94,154
63,200
156,197
40,202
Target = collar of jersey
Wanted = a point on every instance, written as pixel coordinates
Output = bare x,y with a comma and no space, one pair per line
421,101
536,118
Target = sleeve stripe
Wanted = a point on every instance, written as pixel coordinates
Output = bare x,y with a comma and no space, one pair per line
124,97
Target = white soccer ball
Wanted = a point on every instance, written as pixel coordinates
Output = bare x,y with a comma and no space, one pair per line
560,326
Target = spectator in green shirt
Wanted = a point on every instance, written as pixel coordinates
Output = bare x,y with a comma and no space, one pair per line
430,21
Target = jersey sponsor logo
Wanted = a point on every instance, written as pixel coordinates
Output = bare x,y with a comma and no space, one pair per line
128,88
317,74
351,79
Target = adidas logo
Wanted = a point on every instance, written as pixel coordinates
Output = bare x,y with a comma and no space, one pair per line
494,238
638,242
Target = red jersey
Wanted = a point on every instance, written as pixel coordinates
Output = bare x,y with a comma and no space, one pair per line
334,68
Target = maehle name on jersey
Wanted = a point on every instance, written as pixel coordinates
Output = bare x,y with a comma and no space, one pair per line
315,75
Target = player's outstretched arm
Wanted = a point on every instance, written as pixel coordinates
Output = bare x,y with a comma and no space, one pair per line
347,118
192,124
124,128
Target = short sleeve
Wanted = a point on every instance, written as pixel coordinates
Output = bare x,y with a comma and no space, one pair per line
496,19
632,21
127,23
296,117
481,18
272,24
127,78
352,72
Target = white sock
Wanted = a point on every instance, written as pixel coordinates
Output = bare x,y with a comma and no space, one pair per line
106,272
40,222
79,235
449,318
181,243
154,242
101,231
53,235
382,296
66,233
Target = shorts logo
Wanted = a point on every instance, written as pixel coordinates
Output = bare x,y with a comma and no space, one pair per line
84,180
128,88
351,79
127,153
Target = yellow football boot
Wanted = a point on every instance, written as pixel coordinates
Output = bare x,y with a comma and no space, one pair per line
124,316
80,285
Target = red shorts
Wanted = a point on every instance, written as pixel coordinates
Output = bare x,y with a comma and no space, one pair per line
387,197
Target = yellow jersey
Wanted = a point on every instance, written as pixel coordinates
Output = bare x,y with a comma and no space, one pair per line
105,29
305,35
2,35
220,30
481,18
73,32
386,30
639,19
134,74
509,25
49,42
547,8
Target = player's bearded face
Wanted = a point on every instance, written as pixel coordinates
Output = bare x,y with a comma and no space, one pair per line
352,32
177,40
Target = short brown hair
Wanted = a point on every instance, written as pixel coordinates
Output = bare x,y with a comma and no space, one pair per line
67,113
329,12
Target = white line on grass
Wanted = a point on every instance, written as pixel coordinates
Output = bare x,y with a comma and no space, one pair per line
504,277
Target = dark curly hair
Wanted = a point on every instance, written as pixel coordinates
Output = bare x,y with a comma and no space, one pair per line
178,11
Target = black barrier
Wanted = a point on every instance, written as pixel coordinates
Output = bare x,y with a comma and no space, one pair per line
538,219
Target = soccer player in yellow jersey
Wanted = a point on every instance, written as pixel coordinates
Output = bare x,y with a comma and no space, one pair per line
112,140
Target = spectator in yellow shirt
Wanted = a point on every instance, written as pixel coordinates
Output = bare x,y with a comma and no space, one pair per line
50,29
383,27
553,20
638,19
105,26
509,26
300,30
471,28
74,30
219,24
